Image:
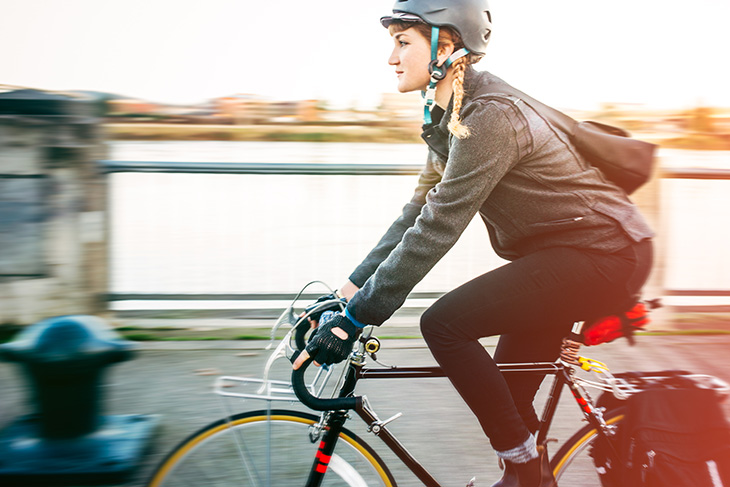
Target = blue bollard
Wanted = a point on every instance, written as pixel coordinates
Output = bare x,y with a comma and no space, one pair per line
66,440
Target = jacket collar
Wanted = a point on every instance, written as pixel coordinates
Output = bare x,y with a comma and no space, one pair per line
436,134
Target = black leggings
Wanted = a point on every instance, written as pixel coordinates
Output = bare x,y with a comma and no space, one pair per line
532,303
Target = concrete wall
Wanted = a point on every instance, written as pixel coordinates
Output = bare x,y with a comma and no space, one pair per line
53,229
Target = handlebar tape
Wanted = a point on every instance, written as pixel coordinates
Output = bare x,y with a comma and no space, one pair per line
316,403
299,333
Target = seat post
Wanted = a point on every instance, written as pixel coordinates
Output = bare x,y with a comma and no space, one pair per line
571,345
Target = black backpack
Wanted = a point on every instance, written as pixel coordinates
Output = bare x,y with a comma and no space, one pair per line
673,435
625,161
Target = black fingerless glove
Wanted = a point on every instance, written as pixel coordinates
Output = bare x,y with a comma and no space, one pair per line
332,307
327,348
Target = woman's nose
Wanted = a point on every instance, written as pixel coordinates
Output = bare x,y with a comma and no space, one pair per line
393,59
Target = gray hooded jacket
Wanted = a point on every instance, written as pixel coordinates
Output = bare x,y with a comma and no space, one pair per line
526,180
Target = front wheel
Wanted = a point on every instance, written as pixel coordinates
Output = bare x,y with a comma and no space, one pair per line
586,459
267,449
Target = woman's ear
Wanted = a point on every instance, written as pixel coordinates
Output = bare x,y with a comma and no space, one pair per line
444,51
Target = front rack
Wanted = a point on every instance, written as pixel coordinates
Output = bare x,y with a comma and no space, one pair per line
272,389
267,390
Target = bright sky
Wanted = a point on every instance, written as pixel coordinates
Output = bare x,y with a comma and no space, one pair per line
569,53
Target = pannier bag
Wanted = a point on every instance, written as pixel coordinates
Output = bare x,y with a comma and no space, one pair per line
675,437
674,433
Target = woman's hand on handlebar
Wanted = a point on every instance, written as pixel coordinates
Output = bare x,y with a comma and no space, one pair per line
331,342
315,310
343,295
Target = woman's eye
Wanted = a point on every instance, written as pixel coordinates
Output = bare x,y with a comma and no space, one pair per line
402,43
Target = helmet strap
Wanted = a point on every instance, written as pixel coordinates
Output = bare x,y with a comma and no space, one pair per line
437,73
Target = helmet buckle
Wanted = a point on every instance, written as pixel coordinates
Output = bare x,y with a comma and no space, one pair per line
429,96
437,72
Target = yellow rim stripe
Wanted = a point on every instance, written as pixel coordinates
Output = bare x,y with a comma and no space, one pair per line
172,461
580,442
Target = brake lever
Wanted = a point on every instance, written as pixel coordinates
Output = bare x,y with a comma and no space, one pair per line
290,319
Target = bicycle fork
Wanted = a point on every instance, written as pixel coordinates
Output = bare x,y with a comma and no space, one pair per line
332,428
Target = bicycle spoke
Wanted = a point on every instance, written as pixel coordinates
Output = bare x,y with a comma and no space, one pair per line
236,452
198,468
586,459
243,452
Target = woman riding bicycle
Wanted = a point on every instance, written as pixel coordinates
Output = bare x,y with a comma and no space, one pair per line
578,248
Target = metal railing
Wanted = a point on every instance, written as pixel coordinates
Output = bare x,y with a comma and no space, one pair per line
261,168
694,173
308,169
333,169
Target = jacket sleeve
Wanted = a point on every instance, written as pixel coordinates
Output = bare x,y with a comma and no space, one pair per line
475,165
428,178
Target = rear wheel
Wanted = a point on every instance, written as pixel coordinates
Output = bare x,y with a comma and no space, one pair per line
586,459
266,449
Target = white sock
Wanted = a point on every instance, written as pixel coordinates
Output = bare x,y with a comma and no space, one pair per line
522,453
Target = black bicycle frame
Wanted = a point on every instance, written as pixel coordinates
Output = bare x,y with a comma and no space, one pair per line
356,372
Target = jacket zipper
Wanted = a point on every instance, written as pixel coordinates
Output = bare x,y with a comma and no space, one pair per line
567,220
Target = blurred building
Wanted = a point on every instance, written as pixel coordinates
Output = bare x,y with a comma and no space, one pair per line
241,109
303,111
401,106
246,109
399,109
131,106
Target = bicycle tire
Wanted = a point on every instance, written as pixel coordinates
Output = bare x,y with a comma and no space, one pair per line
233,451
573,465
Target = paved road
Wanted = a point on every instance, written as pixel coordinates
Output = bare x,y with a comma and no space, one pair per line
174,380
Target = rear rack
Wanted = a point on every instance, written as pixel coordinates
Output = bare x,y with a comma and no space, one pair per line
624,385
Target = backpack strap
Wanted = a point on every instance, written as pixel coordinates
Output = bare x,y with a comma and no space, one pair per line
509,104
558,119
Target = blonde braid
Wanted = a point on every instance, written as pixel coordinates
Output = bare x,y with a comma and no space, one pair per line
455,127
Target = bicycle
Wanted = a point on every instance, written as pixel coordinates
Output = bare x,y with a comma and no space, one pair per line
283,447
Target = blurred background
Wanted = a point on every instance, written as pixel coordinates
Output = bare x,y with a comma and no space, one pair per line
181,169
245,148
